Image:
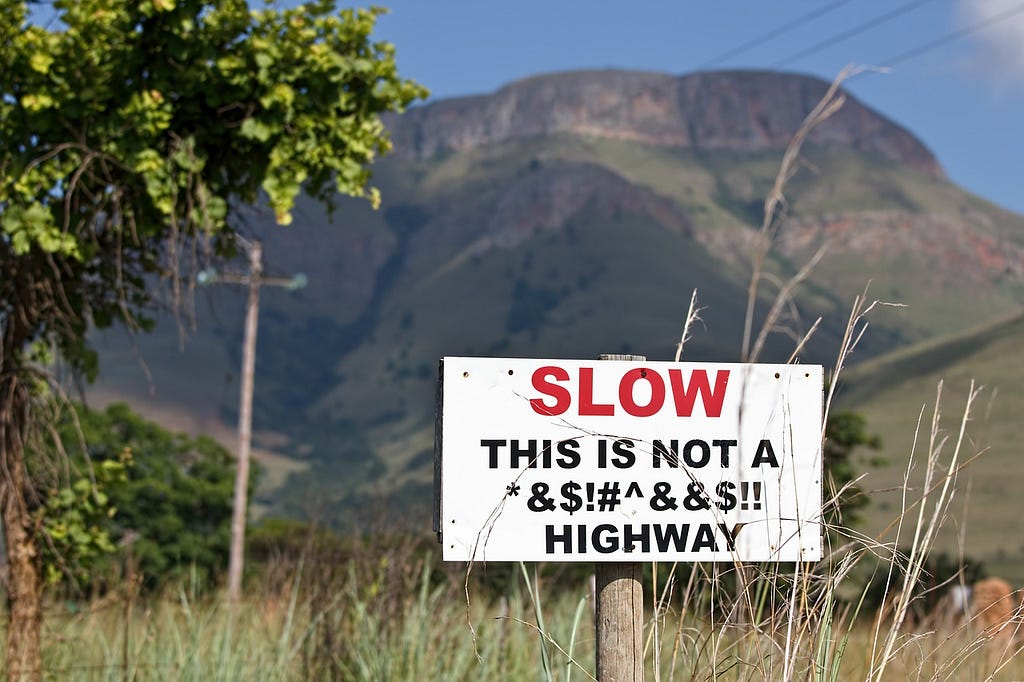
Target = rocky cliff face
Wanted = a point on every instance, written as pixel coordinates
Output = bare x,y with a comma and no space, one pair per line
726,110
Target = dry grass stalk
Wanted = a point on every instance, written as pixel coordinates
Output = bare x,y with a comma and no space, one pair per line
774,203
692,316
925,529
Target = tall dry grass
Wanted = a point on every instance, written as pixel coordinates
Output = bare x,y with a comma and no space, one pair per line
383,608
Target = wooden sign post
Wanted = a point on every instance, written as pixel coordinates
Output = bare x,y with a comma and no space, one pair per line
619,612
620,622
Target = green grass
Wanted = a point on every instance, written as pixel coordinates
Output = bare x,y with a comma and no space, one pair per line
357,625
367,623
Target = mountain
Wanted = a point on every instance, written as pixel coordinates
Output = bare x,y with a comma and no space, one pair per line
744,111
567,215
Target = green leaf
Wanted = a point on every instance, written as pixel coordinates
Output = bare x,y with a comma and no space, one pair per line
37,101
263,60
40,61
256,130
281,93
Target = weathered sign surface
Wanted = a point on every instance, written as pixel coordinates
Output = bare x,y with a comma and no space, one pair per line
586,460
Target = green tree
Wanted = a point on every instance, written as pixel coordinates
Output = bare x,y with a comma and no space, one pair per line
173,501
127,130
844,432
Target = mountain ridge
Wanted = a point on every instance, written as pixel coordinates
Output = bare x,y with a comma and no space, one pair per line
711,110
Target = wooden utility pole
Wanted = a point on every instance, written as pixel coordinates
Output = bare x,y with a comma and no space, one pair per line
254,279
239,508
620,609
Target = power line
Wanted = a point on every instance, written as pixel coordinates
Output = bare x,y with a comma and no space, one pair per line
849,33
954,35
774,33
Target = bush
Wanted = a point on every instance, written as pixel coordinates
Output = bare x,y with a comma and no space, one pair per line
172,506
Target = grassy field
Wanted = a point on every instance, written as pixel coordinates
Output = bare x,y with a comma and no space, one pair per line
379,606
415,623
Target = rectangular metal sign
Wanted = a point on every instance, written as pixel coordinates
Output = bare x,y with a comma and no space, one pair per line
587,460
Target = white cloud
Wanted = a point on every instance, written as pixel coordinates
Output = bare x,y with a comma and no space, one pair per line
1002,41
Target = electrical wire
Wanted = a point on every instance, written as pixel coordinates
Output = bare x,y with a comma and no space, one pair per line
774,33
952,36
849,33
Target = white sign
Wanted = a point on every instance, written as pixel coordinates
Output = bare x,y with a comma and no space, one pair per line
586,460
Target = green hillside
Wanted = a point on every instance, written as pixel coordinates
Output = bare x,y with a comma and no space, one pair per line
891,391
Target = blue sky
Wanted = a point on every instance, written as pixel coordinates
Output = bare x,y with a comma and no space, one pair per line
964,99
